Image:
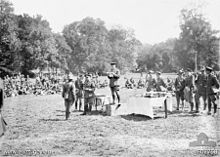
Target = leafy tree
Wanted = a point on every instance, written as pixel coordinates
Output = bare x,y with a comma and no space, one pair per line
38,44
9,44
196,36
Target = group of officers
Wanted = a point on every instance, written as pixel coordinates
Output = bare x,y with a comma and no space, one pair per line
191,87
84,89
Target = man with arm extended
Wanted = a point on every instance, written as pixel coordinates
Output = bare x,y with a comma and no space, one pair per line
114,76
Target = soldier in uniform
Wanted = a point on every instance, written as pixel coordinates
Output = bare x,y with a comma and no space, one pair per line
68,94
160,84
212,84
1,94
150,81
189,88
114,76
2,122
200,83
79,91
179,87
89,94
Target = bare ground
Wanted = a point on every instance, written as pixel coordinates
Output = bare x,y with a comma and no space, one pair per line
36,127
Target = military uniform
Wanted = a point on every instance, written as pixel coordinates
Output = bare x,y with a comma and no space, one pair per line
2,122
69,96
1,93
150,82
89,95
189,89
179,85
201,84
212,83
114,76
160,84
79,93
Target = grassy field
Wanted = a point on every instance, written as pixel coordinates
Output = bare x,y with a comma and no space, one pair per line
37,127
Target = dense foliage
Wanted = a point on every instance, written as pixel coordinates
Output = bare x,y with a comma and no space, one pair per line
28,43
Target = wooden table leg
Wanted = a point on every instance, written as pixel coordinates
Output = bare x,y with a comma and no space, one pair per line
165,107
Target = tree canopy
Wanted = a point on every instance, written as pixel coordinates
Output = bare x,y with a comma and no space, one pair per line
28,43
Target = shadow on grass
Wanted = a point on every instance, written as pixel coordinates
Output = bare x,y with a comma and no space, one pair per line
138,117
96,112
189,115
52,120
60,110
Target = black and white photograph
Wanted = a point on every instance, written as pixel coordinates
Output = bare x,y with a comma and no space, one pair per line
109,78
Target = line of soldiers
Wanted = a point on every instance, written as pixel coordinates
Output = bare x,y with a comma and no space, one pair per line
191,87
84,89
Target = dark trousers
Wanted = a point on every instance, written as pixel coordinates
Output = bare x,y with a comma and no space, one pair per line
115,91
68,104
197,97
211,100
78,101
179,96
88,102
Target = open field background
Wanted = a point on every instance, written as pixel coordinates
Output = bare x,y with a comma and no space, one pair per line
37,123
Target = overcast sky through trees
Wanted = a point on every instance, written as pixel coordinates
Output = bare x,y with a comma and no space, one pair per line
153,20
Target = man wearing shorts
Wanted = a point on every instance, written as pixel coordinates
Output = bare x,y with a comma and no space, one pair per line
114,76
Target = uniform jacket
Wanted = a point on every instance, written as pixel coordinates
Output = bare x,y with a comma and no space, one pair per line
189,82
114,79
160,84
179,84
69,91
212,83
1,93
79,87
201,80
89,89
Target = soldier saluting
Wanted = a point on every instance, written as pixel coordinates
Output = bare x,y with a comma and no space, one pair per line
212,85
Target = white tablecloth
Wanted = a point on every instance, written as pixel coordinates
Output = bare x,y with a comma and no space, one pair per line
143,105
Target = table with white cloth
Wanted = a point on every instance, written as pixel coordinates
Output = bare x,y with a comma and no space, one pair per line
102,100
145,105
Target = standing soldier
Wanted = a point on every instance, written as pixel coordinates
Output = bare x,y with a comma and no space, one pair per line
114,76
2,122
79,91
189,88
179,87
160,84
150,81
212,85
89,94
1,94
68,94
201,84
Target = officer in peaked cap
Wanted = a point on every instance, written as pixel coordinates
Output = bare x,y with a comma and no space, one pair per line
212,87
201,83
89,94
189,88
209,69
68,94
114,76
179,87
113,63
